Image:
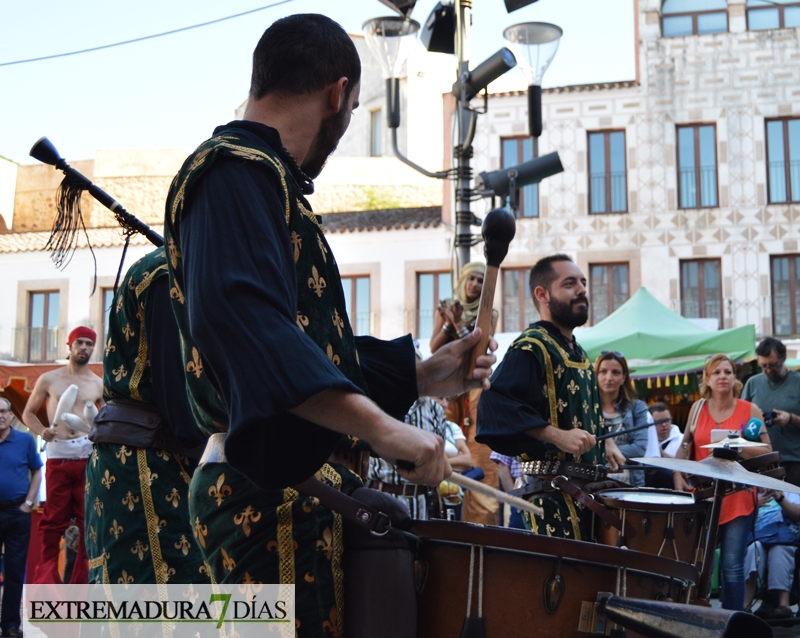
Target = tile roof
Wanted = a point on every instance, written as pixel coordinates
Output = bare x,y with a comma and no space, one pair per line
575,88
36,240
390,219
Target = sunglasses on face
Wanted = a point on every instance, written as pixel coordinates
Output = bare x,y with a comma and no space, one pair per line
616,353
771,366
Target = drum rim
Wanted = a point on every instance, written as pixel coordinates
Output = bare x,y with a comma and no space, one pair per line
528,542
638,506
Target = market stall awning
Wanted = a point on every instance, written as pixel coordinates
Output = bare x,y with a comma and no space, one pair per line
659,342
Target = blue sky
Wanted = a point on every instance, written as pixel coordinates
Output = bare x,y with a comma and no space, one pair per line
172,91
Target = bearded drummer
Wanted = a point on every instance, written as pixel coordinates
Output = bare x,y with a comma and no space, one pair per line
544,402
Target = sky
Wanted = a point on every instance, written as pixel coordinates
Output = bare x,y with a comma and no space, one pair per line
171,92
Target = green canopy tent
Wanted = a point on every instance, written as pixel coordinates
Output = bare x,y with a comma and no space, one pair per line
657,342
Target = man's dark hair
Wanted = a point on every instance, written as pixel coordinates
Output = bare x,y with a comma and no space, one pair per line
769,345
543,274
659,407
303,53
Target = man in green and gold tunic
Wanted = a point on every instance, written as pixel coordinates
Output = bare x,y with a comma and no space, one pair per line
544,403
137,479
273,371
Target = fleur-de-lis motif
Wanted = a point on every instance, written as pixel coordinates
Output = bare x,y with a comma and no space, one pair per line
220,491
560,370
561,404
316,283
119,304
550,529
110,347
297,242
195,366
325,544
322,248
116,529
249,587
131,284
150,476
245,517
166,571
331,625
581,372
227,562
130,500
122,454
174,253
98,506
309,577
175,293
86,487
128,332
585,406
310,504
120,372
139,549
573,387
333,357
173,497
200,532
107,480
125,579
302,321
183,544
272,546
92,534
163,454
337,322
94,458
576,423
545,389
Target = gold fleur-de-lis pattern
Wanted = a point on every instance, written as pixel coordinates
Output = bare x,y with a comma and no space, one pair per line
302,321
245,517
335,359
128,332
220,491
297,243
110,347
120,373
316,283
138,529
337,322
195,366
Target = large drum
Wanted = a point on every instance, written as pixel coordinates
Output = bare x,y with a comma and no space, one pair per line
666,523
523,584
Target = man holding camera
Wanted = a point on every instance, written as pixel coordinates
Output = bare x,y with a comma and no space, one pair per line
777,392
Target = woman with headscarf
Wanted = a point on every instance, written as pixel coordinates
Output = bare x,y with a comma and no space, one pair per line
454,319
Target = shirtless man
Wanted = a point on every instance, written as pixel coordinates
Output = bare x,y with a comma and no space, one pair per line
67,453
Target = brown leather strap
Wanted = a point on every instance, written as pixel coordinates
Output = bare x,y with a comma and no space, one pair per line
563,484
363,515
571,469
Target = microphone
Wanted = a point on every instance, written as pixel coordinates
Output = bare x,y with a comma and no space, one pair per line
752,430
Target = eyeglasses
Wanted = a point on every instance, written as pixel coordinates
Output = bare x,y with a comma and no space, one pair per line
771,366
616,353
663,421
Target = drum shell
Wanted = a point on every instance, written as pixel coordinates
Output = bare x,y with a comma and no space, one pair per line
651,519
517,566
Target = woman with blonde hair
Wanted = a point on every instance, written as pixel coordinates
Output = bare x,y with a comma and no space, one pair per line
455,318
719,408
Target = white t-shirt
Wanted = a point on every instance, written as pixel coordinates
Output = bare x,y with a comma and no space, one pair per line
452,435
670,445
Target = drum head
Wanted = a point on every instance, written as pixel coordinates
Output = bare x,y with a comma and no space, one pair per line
648,499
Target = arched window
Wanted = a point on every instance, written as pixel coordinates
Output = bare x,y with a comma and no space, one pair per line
775,14
693,17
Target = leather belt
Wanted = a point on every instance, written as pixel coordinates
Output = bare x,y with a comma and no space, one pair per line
408,489
571,469
15,502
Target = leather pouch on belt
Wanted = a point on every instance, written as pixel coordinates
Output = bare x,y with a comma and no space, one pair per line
130,423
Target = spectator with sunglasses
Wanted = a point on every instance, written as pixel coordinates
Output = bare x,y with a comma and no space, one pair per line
622,410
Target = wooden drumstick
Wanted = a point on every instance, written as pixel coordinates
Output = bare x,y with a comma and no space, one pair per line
498,230
498,495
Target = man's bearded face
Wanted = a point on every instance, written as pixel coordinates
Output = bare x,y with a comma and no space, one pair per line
330,132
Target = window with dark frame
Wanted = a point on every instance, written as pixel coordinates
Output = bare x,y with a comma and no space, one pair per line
785,270
518,309
357,302
783,160
515,150
701,289
432,287
607,179
697,166
772,14
609,288
693,17
43,313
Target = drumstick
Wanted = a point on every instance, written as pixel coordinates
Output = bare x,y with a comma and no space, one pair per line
498,230
491,492
621,432
481,488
